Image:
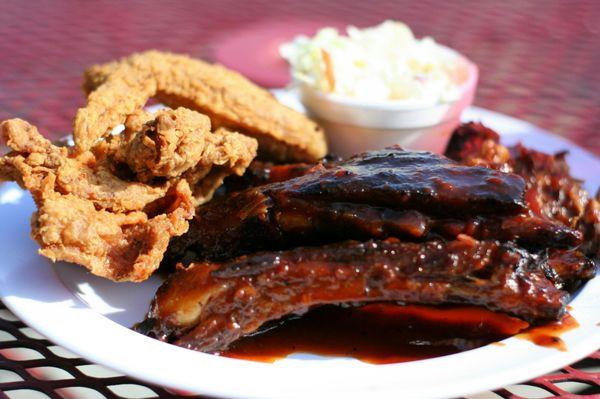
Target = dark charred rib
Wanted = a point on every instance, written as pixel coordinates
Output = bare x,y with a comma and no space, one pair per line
397,179
474,144
260,173
300,220
531,232
258,219
373,195
401,180
207,306
567,269
551,192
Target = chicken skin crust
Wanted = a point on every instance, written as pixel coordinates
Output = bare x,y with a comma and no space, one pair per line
119,88
116,218
173,144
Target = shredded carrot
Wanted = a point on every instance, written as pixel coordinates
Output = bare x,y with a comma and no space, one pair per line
328,69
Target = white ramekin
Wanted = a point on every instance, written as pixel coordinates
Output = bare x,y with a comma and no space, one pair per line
353,126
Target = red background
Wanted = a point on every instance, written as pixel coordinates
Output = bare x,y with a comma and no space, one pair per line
539,60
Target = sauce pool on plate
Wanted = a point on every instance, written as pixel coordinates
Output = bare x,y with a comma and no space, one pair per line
383,333
549,334
379,333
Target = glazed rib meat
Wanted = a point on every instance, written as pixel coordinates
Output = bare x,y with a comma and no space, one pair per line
392,192
401,179
209,305
551,192
260,173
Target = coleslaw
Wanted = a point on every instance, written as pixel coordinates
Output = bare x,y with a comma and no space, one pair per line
382,63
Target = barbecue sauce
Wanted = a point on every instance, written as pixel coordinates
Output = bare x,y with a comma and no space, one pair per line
379,333
549,334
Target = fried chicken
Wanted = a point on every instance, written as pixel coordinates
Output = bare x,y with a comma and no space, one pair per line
120,88
119,246
113,209
179,142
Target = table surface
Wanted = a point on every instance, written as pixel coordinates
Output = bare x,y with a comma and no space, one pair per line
539,61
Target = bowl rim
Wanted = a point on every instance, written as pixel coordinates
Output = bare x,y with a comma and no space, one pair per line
400,105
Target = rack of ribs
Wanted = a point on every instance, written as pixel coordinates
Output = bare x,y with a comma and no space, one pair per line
504,228
386,193
206,306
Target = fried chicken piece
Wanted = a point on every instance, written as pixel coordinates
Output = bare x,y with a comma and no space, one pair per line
164,146
179,142
118,246
119,228
35,159
119,88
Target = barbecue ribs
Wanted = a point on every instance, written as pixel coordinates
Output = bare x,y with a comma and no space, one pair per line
387,193
209,305
551,192
504,228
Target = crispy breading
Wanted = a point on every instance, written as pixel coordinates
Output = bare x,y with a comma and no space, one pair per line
165,147
118,246
94,211
119,88
179,142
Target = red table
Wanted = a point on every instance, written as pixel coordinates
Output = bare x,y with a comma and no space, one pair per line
539,60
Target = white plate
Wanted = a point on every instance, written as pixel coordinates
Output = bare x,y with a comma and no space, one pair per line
90,316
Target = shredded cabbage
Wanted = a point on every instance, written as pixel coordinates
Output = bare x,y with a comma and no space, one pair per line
384,62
